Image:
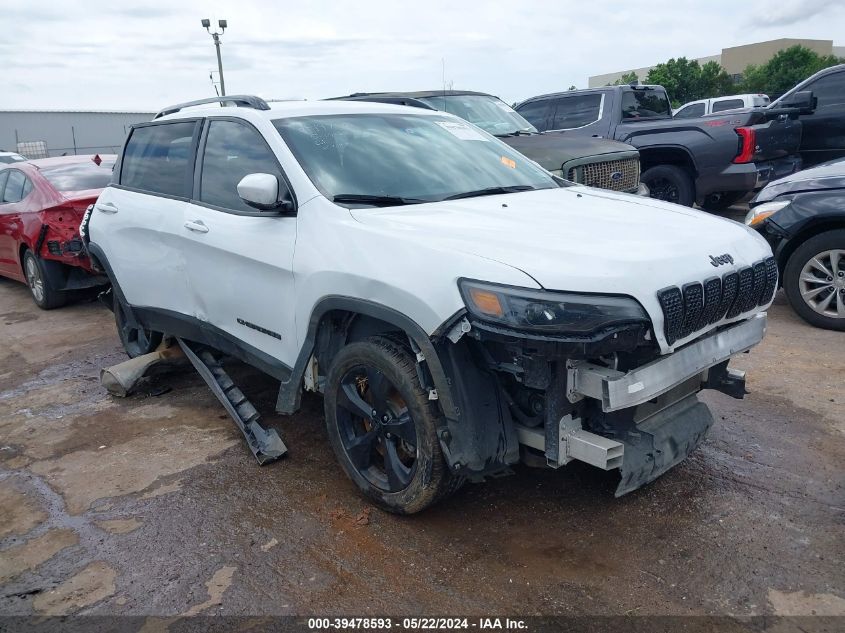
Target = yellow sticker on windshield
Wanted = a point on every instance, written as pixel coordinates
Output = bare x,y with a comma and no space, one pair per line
507,162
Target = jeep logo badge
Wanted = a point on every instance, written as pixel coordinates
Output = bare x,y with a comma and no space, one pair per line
721,259
616,176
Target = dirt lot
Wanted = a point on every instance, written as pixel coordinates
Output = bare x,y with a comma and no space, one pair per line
153,505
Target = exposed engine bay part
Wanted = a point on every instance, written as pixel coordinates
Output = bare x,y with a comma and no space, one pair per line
614,404
569,441
620,390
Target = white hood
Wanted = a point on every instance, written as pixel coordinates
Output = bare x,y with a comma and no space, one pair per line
582,239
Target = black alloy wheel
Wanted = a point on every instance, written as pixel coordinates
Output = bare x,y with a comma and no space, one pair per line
376,429
383,426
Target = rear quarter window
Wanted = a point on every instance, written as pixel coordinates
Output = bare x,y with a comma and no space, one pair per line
159,158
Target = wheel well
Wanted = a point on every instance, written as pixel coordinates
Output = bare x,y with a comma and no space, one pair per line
667,156
802,236
338,328
23,249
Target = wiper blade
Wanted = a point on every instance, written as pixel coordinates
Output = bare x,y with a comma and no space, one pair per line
376,201
518,133
490,191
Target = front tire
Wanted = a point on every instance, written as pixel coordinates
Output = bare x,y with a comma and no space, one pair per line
383,427
670,183
814,280
44,295
136,341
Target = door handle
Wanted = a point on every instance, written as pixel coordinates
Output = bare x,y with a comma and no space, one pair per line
106,207
197,226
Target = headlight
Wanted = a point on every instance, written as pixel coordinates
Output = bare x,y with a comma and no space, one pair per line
557,172
762,211
543,311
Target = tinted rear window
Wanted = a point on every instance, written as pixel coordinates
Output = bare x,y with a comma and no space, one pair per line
79,176
727,104
645,104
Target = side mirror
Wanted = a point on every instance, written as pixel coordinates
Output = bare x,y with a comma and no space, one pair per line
802,99
260,191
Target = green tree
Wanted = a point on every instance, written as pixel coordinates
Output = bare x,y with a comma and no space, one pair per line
715,81
680,77
787,68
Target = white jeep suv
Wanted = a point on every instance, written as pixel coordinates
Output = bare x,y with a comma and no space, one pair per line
459,308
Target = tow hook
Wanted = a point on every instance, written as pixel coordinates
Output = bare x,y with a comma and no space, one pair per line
730,382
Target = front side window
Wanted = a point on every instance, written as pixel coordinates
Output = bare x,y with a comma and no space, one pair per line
232,151
645,104
415,158
79,176
576,111
158,158
536,112
17,186
727,104
489,113
690,111
830,90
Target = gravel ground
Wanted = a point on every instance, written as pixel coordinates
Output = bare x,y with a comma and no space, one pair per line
152,505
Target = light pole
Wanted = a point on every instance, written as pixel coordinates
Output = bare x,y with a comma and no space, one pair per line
216,36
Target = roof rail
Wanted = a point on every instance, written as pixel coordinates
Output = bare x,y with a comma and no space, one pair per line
240,101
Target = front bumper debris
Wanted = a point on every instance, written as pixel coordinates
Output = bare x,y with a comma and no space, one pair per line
617,390
662,441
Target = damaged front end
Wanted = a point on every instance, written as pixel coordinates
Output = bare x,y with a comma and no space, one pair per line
603,395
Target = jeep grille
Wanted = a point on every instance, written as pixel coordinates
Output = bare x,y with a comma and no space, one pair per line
616,175
696,305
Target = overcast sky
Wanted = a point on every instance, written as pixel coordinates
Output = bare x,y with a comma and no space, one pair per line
144,54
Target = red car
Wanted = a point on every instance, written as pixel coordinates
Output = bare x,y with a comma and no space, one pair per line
41,206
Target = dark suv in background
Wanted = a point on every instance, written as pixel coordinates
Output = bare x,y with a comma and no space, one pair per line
594,162
823,133
714,161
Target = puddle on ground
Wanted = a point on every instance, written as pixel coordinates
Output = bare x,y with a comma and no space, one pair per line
84,476
800,603
20,513
217,586
16,560
119,526
92,584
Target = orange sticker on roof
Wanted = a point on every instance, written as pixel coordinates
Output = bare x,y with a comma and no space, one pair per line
507,162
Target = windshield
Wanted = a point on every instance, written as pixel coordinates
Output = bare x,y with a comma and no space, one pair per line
645,104
489,113
11,158
415,158
79,176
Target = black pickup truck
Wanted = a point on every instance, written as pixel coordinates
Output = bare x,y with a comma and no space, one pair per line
714,160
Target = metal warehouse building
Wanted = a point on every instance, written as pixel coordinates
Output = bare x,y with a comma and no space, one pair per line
42,133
